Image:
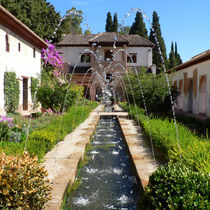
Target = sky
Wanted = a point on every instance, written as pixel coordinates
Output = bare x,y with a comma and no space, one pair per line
186,22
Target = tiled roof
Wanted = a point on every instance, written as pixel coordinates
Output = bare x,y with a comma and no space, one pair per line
11,22
194,60
106,37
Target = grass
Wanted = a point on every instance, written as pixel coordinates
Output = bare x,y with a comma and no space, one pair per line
194,149
46,135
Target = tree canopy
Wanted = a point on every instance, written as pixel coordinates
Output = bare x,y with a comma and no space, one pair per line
109,22
41,17
158,35
138,26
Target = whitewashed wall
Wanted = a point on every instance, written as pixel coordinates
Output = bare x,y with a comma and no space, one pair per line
23,62
71,55
200,101
144,56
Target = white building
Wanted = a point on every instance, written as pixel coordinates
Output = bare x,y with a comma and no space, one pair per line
20,51
76,51
193,81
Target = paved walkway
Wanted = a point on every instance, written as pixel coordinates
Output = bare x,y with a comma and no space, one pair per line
61,163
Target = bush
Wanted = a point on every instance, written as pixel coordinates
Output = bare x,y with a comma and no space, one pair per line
57,96
194,149
155,90
23,183
4,132
175,186
11,92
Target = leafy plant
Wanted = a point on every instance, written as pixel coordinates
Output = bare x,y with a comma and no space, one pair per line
194,149
23,183
154,88
4,132
175,186
11,92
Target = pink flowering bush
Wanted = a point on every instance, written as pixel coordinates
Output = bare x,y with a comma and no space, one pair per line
52,61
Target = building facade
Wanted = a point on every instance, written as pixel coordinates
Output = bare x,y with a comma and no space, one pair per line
192,78
108,52
20,52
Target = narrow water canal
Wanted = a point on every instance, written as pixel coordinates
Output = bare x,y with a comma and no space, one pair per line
108,179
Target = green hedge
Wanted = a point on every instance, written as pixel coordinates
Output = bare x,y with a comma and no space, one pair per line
42,140
194,150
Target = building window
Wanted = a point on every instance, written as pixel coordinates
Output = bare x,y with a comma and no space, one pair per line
7,43
85,58
108,55
34,52
19,47
132,58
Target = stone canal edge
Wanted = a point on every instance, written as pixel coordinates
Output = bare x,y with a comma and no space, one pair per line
62,161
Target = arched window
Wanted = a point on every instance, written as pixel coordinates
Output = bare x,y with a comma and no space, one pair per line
132,58
108,55
7,43
85,58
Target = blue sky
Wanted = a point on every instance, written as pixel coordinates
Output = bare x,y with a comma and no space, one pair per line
185,21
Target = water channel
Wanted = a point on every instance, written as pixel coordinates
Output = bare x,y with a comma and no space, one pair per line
108,180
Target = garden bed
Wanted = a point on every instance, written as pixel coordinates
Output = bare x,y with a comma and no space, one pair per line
194,149
45,131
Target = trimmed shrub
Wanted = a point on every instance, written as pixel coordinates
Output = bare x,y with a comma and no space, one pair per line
11,92
175,186
34,87
23,183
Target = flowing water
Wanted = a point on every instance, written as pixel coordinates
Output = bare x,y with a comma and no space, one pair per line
108,179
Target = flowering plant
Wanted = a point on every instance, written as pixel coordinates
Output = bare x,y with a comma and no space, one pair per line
52,58
6,120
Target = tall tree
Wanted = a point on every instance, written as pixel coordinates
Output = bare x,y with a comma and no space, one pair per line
158,35
177,56
115,23
109,22
124,29
172,58
138,26
39,15
72,23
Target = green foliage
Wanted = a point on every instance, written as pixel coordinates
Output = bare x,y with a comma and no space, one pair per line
57,96
46,133
115,23
72,23
174,57
138,27
176,186
34,88
5,132
156,55
155,90
124,29
109,22
23,183
194,149
11,92
40,16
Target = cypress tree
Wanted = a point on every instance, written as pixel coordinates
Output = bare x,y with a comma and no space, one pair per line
109,23
156,55
172,58
138,26
115,23
177,56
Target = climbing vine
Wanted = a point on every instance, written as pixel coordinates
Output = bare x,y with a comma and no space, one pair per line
11,92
